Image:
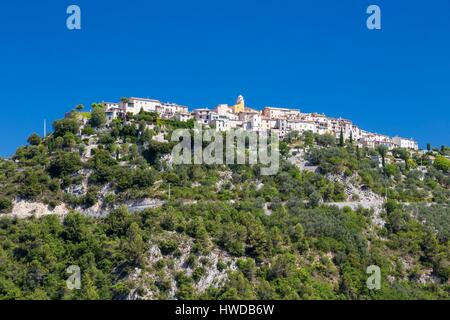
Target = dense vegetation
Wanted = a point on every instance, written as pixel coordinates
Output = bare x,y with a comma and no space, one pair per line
278,232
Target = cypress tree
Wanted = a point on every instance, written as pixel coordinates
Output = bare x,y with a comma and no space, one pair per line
341,139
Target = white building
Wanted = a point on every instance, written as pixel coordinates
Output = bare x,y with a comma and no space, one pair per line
166,110
321,122
405,143
372,140
110,105
202,115
220,122
169,110
277,113
356,133
114,113
181,116
224,110
279,120
134,105
301,126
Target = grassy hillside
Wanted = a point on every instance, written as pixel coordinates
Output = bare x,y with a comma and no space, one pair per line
263,237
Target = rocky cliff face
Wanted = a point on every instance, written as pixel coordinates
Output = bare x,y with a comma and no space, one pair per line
359,196
25,209
147,282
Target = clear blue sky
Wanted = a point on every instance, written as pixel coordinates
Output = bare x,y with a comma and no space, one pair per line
313,55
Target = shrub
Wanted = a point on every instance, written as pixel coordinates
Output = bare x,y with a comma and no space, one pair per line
168,246
442,163
88,130
65,164
66,125
5,204
34,140
98,116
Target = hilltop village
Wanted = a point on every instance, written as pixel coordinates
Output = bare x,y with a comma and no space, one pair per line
102,191
274,119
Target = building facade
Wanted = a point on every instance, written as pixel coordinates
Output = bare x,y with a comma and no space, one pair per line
280,121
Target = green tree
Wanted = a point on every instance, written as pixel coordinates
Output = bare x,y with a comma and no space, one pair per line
88,288
391,170
442,163
238,288
341,138
314,199
98,116
69,140
147,136
185,288
34,139
326,140
298,237
142,126
134,152
76,228
88,130
404,155
118,221
135,245
248,268
282,266
70,124
382,150
65,164
308,138
59,142
5,204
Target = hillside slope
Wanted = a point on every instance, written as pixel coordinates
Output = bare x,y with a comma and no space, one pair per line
108,199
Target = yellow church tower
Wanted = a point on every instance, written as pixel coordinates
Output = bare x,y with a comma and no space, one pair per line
240,105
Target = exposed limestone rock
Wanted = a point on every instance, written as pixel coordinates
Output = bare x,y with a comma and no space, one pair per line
26,209
367,199
142,204
266,208
364,198
297,159
80,189
143,281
